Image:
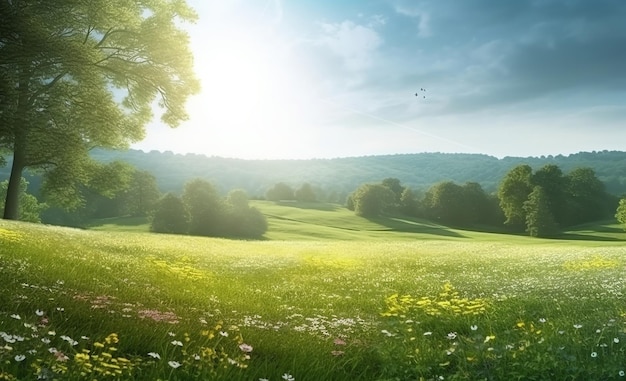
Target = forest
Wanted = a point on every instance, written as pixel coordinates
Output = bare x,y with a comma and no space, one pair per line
463,190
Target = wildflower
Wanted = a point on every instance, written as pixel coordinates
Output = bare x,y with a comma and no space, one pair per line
578,326
264,379
339,342
52,350
337,353
224,334
20,358
39,312
172,334
594,354
16,317
246,348
173,364
451,335
621,373
196,357
154,355
615,340
474,327
542,320
84,338
598,331
387,333
60,309
427,333
61,357
178,343
288,377
489,338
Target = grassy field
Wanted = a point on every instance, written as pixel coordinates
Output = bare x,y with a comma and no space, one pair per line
328,296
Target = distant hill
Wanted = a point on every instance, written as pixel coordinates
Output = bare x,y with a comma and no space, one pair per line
338,177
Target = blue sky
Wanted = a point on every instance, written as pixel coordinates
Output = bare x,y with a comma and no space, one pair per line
317,78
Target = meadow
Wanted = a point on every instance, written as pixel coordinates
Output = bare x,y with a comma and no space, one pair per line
327,296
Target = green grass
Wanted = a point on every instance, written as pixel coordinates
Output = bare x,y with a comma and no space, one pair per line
351,300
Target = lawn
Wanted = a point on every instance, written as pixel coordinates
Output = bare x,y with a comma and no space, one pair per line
82,304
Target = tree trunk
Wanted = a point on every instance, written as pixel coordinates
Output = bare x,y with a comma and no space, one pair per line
12,202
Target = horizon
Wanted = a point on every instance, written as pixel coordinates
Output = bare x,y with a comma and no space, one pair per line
323,80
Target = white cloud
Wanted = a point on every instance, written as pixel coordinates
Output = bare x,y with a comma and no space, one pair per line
355,44
422,18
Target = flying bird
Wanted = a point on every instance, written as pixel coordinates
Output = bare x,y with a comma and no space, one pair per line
418,94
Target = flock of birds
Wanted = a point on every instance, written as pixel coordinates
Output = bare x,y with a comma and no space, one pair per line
422,91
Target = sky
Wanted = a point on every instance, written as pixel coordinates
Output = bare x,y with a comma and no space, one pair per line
287,79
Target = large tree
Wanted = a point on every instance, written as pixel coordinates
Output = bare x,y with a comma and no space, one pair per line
513,192
75,75
539,219
372,200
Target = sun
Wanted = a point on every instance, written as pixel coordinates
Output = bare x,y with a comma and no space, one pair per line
253,101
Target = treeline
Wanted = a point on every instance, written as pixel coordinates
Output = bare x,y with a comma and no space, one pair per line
540,203
202,211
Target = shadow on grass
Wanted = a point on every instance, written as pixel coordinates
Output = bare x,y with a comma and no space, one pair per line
588,237
406,225
120,221
321,206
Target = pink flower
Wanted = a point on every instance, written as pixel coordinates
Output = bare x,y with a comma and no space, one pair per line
339,342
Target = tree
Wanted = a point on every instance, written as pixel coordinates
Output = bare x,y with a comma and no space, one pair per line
409,203
551,180
445,203
243,220
394,185
305,193
620,213
371,200
30,208
280,191
142,194
205,206
170,216
82,74
513,192
586,197
539,219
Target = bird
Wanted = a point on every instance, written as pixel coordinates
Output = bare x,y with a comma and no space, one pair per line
418,94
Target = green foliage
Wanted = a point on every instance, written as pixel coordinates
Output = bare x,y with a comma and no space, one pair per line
170,216
305,193
539,219
66,65
241,220
513,192
372,200
280,191
409,204
620,213
205,207
394,185
30,208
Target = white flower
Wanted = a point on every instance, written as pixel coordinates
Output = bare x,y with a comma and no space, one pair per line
246,348
224,334
172,334
16,317
542,320
154,355
173,364
176,342
578,326
594,354
621,373
264,379
39,312
52,350
45,340
20,358
288,377
474,327
451,336
387,333
427,333
196,357
615,340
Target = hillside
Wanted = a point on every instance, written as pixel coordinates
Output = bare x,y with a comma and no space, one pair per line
340,176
